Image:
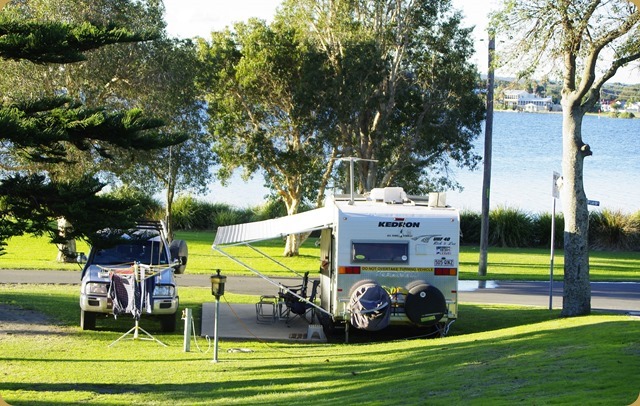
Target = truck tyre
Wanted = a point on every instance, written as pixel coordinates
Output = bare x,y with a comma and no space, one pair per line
178,249
87,320
168,323
425,304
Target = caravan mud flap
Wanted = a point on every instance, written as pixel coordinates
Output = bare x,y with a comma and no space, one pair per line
370,306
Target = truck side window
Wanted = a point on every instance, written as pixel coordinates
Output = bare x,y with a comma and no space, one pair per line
386,252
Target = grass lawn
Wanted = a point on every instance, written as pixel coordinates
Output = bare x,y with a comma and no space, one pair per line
504,263
494,355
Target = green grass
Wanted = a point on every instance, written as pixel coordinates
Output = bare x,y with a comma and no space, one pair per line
497,355
504,263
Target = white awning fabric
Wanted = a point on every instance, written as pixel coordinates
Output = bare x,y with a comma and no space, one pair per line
264,230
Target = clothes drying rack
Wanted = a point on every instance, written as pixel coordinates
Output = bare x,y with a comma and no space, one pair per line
140,274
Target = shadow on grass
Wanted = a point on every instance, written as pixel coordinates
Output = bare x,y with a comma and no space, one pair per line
536,365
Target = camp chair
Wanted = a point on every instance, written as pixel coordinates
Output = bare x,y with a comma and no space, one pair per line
300,308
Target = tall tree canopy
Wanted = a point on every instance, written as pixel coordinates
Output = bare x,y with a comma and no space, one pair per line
262,83
401,90
585,43
48,131
382,80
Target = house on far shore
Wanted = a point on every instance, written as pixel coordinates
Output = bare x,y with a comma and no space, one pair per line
525,101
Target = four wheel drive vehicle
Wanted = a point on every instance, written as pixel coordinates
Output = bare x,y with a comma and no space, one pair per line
144,250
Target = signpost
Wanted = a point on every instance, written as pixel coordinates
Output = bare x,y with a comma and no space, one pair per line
555,192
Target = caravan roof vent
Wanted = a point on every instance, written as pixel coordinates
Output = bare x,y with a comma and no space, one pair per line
388,195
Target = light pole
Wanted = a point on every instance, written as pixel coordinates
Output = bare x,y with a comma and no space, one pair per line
217,290
486,179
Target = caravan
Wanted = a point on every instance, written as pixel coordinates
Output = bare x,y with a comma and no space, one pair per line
386,258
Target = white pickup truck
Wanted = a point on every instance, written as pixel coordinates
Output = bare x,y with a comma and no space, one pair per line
143,249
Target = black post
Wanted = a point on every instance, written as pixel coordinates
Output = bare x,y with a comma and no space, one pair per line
486,180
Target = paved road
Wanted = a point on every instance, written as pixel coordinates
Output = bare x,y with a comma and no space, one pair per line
619,297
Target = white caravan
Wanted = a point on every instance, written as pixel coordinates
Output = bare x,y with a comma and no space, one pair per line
386,258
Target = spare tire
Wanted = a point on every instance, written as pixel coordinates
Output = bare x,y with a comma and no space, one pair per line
425,304
178,249
370,306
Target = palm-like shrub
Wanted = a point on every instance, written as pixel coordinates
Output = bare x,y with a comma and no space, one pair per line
470,224
542,230
613,230
509,227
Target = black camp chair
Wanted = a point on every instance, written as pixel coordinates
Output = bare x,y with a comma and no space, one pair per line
293,304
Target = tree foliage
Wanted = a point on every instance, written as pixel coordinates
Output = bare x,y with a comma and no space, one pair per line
401,89
51,131
262,83
584,42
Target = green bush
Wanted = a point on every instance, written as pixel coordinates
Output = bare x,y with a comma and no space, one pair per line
153,209
613,230
470,225
191,214
509,227
542,230
271,209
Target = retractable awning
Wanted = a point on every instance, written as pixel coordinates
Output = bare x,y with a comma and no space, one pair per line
265,230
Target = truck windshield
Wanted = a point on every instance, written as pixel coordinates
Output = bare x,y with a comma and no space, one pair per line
145,252
380,252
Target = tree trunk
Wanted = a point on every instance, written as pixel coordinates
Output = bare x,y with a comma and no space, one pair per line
168,215
577,289
293,242
67,251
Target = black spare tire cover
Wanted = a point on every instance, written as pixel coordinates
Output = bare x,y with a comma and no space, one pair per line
370,306
425,305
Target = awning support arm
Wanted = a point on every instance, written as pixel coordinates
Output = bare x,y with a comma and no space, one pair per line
272,259
271,281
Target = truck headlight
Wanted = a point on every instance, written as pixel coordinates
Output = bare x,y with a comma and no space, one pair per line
164,290
93,288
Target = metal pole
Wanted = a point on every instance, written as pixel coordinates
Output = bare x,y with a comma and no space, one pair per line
486,179
351,183
187,330
553,243
215,331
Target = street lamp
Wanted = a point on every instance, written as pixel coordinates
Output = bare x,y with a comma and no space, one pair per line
217,289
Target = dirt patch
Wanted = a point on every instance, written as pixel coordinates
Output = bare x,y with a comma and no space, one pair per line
16,320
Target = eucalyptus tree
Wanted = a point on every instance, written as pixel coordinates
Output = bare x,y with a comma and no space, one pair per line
43,134
585,43
402,91
262,84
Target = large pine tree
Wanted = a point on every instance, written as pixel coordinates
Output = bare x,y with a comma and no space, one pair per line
37,135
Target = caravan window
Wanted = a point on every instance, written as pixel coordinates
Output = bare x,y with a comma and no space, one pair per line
387,252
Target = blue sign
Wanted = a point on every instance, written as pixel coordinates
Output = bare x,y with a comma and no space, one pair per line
593,202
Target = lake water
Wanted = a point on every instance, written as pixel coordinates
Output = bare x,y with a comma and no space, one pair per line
527,149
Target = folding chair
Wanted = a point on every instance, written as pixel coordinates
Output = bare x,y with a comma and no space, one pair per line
292,303
301,307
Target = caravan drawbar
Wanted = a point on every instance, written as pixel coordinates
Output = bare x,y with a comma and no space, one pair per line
386,258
